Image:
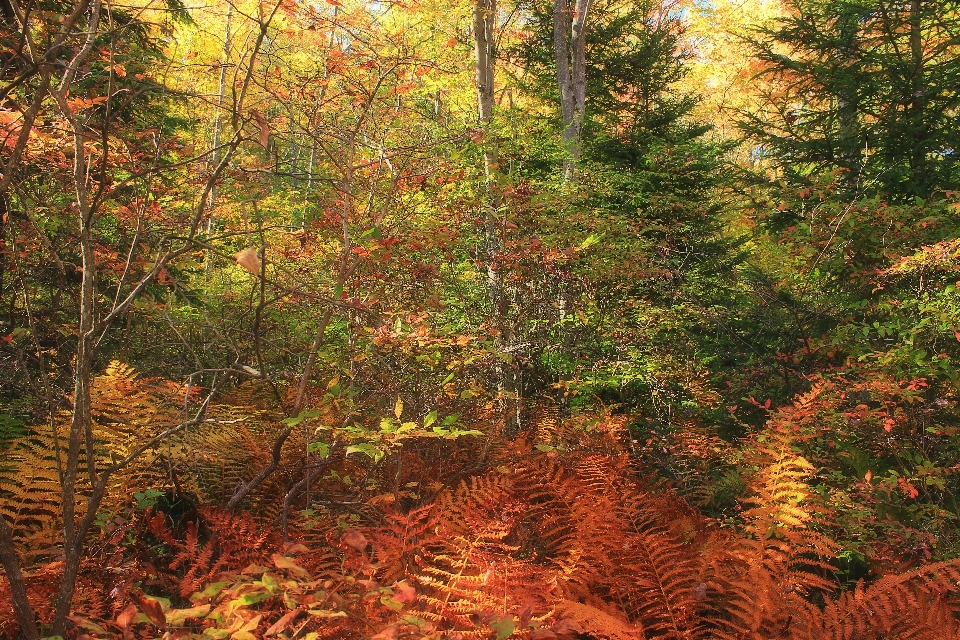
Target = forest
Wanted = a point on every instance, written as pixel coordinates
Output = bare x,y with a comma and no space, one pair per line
480,319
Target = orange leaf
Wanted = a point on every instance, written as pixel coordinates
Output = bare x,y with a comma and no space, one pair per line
283,562
390,633
126,616
283,622
264,127
249,260
152,609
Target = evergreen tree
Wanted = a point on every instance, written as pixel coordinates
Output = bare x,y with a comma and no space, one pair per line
866,90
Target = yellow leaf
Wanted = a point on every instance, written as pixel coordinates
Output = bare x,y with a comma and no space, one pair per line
398,408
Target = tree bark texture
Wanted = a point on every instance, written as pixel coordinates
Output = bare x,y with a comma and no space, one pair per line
569,43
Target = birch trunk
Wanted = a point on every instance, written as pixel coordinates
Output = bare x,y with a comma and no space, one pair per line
569,45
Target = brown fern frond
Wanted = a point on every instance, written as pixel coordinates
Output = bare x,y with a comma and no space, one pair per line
920,604
215,544
30,496
126,411
543,421
597,622
665,580
399,540
472,572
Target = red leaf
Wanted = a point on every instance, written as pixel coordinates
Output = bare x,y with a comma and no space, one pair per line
404,593
355,539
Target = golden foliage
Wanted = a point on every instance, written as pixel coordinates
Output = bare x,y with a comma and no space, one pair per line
126,411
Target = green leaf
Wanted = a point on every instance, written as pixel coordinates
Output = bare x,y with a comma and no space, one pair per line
323,613
366,448
319,447
503,627
591,240
430,418
269,582
374,232
213,589
176,617
306,414
253,598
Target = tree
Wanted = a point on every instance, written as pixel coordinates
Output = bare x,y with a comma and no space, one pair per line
570,58
98,98
864,90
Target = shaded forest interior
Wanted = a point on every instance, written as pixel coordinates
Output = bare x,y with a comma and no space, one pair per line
614,319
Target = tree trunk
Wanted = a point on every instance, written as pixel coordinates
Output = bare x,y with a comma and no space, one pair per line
217,126
917,99
569,45
850,151
18,589
484,17
484,22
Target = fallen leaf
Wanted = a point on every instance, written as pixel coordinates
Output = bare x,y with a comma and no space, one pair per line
403,592
283,562
153,610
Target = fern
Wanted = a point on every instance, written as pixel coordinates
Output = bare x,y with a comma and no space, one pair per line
580,538
918,604
216,544
126,410
472,569
768,576
600,622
